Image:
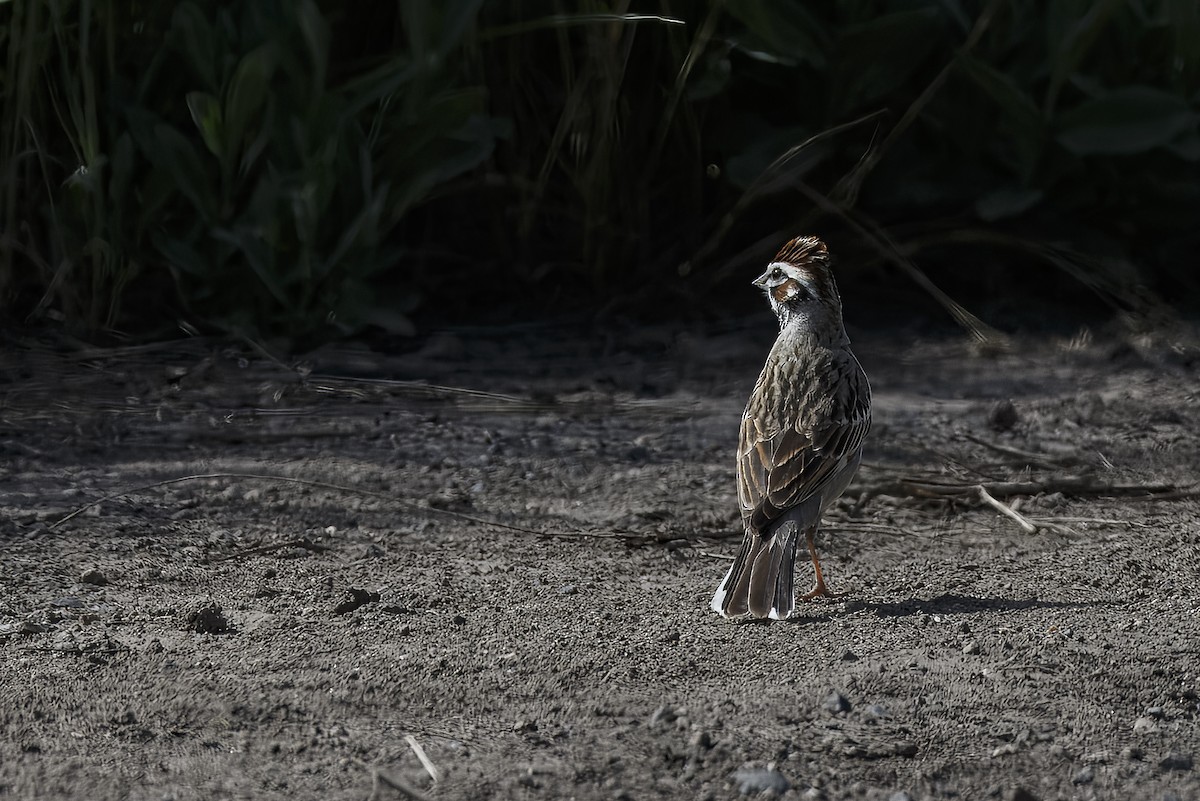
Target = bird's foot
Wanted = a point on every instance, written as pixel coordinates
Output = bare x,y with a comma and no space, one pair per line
821,591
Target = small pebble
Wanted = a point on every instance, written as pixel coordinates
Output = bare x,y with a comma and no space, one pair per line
638,453
92,576
208,619
568,589
848,656
1020,794
354,598
65,641
1004,750
1085,775
1003,416
972,648
1144,725
1131,753
752,781
836,703
1176,760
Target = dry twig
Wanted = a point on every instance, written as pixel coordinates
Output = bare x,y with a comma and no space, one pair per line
424,759
1006,510
1084,486
397,783
1026,457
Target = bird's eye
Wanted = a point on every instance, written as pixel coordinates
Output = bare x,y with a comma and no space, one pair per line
777,273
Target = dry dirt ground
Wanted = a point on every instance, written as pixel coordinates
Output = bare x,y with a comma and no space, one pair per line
241,637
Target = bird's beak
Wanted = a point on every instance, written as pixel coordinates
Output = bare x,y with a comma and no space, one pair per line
761,281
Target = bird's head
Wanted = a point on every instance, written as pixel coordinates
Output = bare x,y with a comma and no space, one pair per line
800,287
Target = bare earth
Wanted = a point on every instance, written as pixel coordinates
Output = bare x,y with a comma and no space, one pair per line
969,659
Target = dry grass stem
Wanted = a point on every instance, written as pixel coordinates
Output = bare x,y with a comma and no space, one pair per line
1008,511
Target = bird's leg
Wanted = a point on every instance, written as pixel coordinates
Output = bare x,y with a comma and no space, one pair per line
819,590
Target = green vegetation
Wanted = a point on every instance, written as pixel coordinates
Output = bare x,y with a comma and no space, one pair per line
308,168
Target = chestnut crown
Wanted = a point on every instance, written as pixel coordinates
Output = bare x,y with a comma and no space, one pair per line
799,285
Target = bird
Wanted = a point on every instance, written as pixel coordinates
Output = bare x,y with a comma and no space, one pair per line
801,435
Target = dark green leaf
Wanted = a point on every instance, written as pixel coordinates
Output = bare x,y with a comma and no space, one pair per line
385,80
875,57
206,113
173,154
1016,104
1127,121
763,144
1067,52
711,79
179,156
121,175
194,33
523,27
456,17
181,256
1003,203
316,38
1020,119
247,93
1187,147
781,32
260,257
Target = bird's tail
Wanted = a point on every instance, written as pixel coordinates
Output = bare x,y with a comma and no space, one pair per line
759,584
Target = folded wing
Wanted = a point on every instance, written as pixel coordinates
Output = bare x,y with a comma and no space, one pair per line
782,465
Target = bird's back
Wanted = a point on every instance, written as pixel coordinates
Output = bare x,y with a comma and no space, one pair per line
803,427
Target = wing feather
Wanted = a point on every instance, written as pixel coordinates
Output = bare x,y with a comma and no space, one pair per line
801,427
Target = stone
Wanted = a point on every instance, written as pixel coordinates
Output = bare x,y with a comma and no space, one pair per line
752,781
835,703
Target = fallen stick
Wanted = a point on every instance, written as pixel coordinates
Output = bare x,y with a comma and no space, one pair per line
1029,457
380,776
423,758
1073,485
1005,509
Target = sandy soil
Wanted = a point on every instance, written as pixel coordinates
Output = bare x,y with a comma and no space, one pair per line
239,637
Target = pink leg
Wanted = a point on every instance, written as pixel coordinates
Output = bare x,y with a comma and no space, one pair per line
819,590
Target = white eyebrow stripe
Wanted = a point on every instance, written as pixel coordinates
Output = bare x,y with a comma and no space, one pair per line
795,273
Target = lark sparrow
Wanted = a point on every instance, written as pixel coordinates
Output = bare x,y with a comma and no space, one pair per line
802,434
